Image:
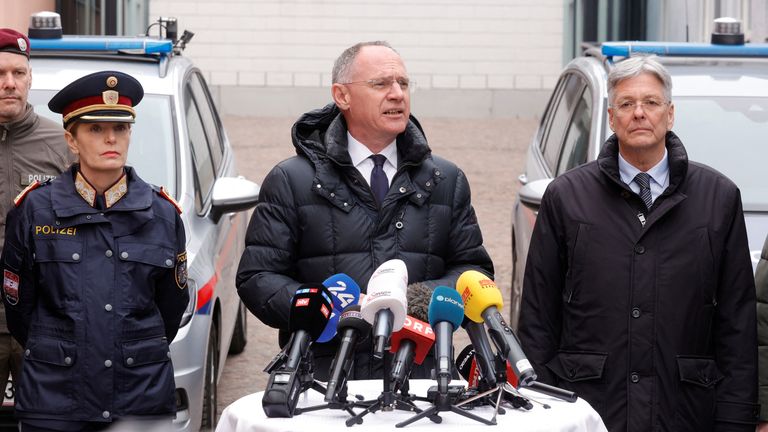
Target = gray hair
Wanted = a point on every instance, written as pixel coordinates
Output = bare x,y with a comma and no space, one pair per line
636,66
343,64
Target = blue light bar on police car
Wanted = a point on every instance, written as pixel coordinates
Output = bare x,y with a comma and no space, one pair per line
684,49
143,45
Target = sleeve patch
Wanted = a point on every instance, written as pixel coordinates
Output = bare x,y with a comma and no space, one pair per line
164,193
11,287
20,197
181,270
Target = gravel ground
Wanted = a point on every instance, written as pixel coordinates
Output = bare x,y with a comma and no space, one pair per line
490,151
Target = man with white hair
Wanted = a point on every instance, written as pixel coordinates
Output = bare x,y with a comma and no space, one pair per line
638,290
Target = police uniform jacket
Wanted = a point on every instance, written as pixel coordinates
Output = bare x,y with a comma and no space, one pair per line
95,296
32,148
317,216
653,324
761,288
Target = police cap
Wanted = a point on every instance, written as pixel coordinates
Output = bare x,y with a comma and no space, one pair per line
13,41
107,96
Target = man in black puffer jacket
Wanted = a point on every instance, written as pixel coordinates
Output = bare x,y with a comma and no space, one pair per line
318,214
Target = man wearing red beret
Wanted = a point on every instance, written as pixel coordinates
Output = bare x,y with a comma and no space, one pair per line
31,148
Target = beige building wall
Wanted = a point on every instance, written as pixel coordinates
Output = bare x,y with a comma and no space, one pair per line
15,13
470,58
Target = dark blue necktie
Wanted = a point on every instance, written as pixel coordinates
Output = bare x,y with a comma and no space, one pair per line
644,181
379,181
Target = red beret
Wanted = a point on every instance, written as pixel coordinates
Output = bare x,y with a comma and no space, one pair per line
13,41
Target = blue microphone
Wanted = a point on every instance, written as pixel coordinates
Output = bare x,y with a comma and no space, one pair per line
446,312
344,292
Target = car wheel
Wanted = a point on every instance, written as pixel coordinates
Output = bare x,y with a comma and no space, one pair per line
240,333
210,389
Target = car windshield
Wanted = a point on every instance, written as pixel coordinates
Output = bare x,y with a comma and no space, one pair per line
728,134
152,151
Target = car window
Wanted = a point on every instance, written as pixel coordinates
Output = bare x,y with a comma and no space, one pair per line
577,137
728,134
201,157
559,122
210,119
152,152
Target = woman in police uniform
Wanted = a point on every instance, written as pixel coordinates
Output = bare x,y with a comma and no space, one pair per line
94,275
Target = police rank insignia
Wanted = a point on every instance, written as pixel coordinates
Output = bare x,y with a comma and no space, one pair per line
11,287
181,270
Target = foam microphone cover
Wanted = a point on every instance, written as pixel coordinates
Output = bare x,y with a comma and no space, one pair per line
386,290
446,305
479,292
310,309
418,296
330,329
344,291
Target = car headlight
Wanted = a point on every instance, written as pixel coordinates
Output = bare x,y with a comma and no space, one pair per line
187,316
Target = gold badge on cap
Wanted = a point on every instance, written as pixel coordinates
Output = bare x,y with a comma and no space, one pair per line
112,81
110,97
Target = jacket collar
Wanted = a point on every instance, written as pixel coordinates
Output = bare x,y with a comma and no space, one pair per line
25,125
68,202
322,134
608,161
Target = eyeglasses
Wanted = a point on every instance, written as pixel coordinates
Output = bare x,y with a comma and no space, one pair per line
384,84
647,105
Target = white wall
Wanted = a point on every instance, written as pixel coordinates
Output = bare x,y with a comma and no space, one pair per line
469,58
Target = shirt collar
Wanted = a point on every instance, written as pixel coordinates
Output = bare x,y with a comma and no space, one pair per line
659,173
111,196
359,153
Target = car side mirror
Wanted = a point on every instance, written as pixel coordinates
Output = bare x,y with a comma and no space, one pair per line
531,194
233,194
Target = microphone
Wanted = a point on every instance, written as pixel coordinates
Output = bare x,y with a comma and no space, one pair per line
344,292
484,355
385,303
351,327
446,311
412,343
483,301
311,308
466,363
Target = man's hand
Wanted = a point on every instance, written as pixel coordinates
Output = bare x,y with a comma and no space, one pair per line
762,427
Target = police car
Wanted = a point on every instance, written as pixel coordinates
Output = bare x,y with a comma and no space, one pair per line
720,93
178,141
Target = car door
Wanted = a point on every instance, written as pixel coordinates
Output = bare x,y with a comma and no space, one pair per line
227,246
561,143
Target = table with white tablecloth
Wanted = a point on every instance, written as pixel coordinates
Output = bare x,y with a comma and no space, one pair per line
247,415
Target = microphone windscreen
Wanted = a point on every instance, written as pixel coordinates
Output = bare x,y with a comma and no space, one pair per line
386,290
352,318
344,290
446,305
330,329
418,296
464,361
478,292
310,309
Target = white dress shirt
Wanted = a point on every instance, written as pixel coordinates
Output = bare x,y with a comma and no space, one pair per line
659,175
360,155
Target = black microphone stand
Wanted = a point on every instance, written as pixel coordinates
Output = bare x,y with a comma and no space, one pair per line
388,400
501,392
443,401
339,402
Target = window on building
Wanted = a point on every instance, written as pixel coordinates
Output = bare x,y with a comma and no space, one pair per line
104,17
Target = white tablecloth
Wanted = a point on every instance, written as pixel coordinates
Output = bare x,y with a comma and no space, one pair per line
247,415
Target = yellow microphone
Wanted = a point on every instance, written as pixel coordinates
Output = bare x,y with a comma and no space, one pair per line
482,303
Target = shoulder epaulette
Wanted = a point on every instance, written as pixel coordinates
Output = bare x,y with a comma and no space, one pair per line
164,193
23,194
